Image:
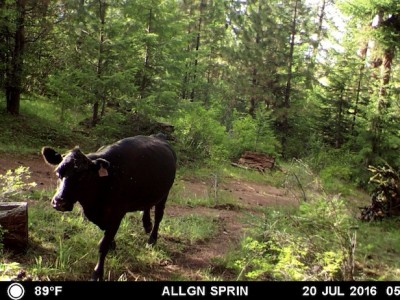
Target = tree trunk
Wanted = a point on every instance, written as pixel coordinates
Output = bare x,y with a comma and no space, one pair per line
315,44
288,90
382,104
253,99
100,91
186,77
386,69
144,83
203,5
14,221
254,81
338,130
13,84
4,44
363,55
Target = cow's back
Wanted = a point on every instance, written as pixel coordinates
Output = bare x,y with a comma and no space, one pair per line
141,172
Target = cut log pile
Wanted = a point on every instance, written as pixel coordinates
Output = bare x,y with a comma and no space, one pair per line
256,161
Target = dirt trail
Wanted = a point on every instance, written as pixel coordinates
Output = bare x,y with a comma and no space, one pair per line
200,256
40,172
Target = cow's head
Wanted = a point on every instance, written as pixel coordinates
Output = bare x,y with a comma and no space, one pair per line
75,171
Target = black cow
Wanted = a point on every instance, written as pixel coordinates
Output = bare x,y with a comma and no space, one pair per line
133,174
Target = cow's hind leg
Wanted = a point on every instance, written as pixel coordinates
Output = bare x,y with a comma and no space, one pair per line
104,246
146,220
158,215
113,245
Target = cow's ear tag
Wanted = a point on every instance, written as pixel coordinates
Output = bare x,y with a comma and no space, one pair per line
103,172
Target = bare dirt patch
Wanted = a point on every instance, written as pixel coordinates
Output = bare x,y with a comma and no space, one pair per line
197,189
256,194
203,256
41,173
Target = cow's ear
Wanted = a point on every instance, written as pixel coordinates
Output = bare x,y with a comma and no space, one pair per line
51,156
102,166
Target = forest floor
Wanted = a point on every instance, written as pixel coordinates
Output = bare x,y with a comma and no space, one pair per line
191,263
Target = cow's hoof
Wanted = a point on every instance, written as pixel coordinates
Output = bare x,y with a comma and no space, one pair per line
151,242
96,276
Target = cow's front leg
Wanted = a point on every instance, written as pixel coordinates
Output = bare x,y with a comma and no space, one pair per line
104,246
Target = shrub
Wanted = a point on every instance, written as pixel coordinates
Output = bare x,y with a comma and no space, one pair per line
252,134
314,242
15,182
111,127
338,168
199,135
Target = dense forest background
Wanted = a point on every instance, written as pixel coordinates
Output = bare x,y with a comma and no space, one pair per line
313,83
316,80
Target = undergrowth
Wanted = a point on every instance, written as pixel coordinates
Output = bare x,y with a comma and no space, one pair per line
321,240
313,242
36,126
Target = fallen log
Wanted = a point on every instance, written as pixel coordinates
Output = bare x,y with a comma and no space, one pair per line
14,225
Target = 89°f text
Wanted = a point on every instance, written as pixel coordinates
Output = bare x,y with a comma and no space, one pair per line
336,290
48,290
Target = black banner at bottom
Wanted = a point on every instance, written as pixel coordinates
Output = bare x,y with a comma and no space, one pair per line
184,289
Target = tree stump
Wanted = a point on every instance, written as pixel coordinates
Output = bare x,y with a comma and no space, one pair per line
14,224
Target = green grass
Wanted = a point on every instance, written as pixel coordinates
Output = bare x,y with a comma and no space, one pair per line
63,246
273,177
226,171
378,250
37,125
190,228
206,196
